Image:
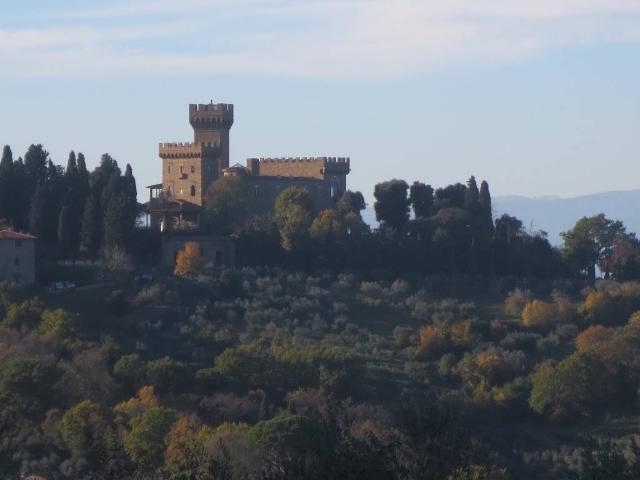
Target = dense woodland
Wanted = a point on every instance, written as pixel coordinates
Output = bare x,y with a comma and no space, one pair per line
444,345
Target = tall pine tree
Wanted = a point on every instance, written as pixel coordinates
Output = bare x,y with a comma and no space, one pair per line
6,185
487,209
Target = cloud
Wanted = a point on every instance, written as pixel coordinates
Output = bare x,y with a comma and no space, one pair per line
349,38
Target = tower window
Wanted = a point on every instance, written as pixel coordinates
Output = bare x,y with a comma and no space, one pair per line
169,168
193,191
170,190
193,169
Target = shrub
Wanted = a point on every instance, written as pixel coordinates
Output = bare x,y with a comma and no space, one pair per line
516,301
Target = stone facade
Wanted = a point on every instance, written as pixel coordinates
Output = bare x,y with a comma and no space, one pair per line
17,257
189,169
216,252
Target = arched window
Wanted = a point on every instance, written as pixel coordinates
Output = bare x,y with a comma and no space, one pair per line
193,190
193,169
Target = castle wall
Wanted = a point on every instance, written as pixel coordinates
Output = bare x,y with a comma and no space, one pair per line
264,190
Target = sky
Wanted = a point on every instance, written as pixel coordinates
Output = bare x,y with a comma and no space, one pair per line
538,97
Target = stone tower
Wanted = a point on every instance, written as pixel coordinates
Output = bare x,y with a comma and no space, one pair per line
189,168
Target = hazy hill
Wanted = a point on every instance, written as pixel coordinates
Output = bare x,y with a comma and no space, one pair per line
555,214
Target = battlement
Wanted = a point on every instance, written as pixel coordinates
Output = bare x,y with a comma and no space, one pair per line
307,167
211,116
323,160
188,150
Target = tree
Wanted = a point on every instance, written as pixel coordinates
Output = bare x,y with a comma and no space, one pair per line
189,260
146,441
66,230
328,226
38,212
486,212
577,386
392,203
25,388
471,195
7,188
294,215
91,225
590,242
350,202
227,205
83,429
421,197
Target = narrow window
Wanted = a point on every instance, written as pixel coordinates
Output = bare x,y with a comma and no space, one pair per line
256,191
169,167
193,191
193,169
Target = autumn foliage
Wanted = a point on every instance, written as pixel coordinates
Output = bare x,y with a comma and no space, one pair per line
189,260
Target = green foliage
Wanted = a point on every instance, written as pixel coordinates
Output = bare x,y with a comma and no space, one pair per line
227,205
392,203
25,388
577,386
83,429
166,375
146,441
590,242
293,212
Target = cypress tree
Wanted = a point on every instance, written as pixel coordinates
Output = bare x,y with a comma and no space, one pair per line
22,195
471,194
116,219
487,209
131,193
35,165
91,228
38,212
6,185
67,236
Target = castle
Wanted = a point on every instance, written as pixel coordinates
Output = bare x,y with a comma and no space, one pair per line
189,169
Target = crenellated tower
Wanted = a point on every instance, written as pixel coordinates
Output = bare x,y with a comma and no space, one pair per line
211,124
189,168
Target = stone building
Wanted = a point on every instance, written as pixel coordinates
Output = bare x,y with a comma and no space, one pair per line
17,257
189,169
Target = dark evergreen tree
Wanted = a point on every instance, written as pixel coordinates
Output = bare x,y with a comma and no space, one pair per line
38,211
392,203
471,194
91,225
487,209
7,188
421,197
116,221
451,196
21,198
67,236
35,164
131,194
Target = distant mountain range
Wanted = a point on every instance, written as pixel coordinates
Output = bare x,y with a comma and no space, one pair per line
554,214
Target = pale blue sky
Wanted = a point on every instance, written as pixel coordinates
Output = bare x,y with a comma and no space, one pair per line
538,97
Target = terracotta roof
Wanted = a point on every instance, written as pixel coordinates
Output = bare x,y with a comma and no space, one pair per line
10,234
